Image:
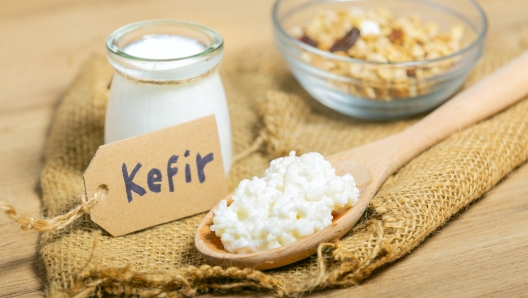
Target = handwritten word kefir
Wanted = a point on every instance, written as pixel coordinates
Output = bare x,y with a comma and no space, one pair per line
294,198
163,80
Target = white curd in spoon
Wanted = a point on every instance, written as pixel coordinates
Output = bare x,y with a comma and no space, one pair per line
295,198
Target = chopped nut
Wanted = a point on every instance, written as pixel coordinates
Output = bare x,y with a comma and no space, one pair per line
376,57
418,52
457,32
369,91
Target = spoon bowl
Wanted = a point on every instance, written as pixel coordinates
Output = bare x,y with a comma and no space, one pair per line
373,163
210,246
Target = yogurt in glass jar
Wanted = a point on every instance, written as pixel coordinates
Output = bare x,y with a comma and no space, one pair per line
165,74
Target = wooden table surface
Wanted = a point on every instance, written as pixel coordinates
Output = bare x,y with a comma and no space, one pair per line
481,252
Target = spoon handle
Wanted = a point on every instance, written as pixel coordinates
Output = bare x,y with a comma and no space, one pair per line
491,95
494,93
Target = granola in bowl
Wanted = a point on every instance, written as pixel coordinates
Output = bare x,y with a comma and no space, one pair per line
377,36
380,59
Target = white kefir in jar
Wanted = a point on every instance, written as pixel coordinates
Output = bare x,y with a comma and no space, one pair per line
165,75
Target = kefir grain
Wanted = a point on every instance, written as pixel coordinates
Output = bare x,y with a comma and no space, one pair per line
294,198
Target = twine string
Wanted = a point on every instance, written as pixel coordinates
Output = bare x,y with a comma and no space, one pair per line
251,149
57,222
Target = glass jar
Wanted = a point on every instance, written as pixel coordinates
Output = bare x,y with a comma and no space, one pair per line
150,91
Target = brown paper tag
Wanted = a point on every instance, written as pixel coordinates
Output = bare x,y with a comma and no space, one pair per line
157,177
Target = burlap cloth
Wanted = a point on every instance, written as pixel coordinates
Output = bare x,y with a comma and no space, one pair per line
83,260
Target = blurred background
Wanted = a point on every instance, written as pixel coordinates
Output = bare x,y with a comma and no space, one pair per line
43,43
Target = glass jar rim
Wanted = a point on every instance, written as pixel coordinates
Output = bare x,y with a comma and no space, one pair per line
111,41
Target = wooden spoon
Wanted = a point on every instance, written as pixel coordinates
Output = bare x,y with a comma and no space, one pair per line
373,163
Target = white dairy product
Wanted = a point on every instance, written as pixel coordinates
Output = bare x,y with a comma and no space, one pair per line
138,106
369,27
164,46
295,197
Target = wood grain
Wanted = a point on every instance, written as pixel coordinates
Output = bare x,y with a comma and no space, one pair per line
483,252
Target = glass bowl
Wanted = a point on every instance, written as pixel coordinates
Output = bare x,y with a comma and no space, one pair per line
330,78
